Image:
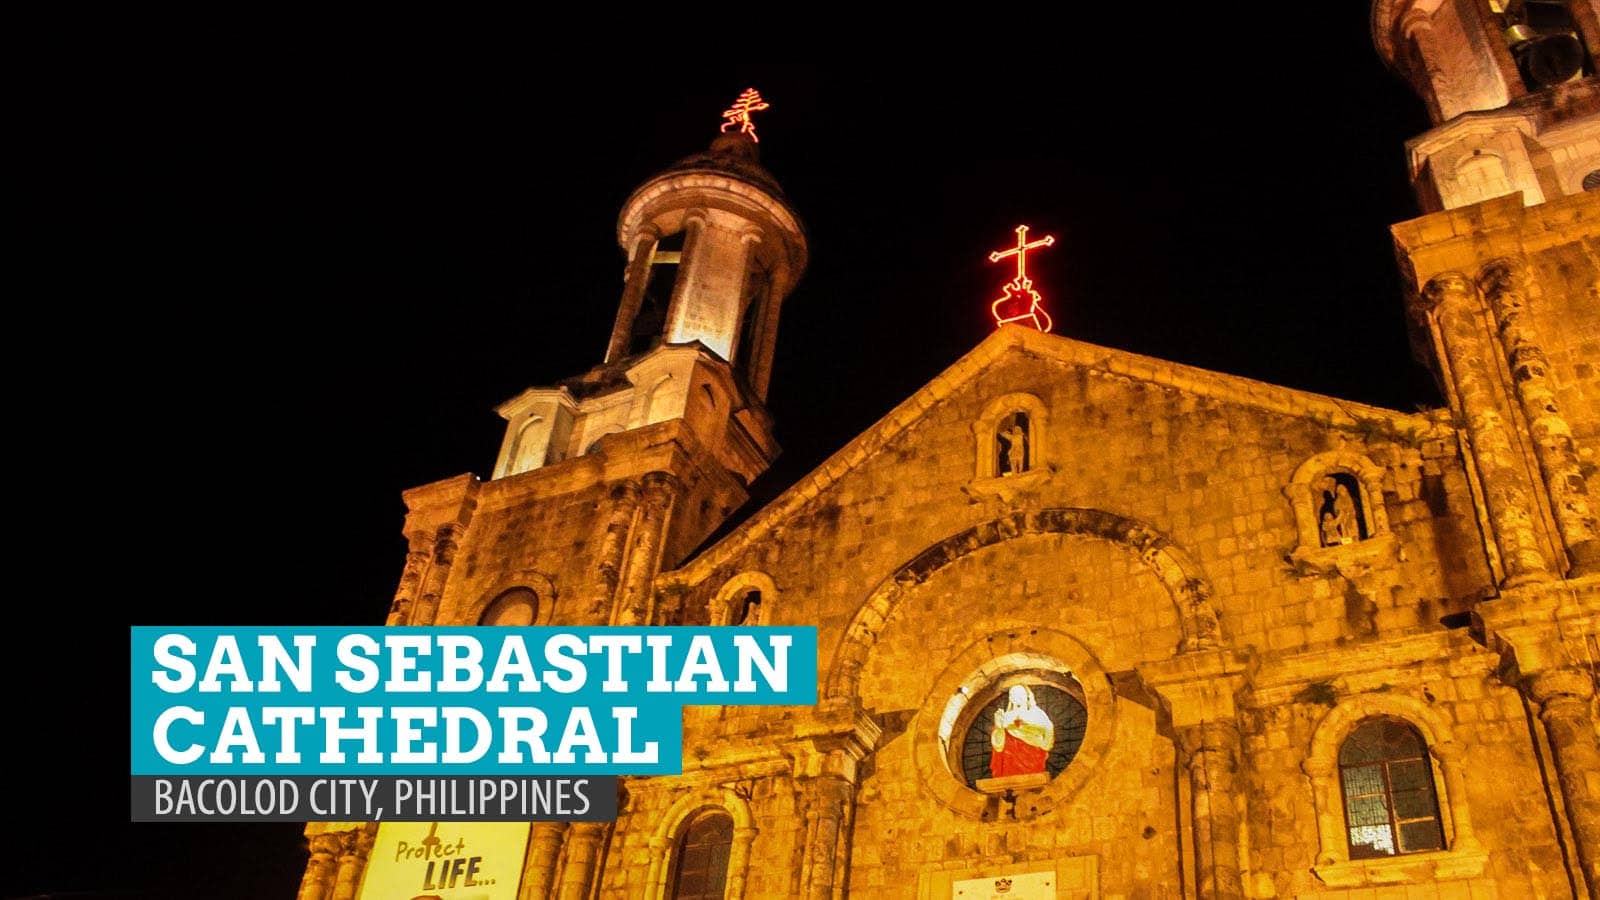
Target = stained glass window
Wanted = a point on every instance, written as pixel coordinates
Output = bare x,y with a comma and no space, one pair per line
700,866
1390,806
1065,712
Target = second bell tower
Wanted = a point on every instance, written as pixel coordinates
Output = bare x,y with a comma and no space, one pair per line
607,478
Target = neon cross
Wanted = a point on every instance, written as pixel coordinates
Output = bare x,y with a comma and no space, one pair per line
1004,309
1020,251
750,101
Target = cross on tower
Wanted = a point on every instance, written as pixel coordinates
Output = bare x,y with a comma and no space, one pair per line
1019,291
739,115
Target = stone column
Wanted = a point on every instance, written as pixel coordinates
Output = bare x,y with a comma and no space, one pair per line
583,864
544,852
748,241
614,543
657,494
829,797
694,222
634,282
318,880
1501,282
445,544
410,578
1563,699
1463,346
1211,754
355,845
739,860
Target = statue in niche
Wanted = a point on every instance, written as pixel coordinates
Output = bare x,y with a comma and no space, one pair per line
749,609
1022,737
1339,519
1013,440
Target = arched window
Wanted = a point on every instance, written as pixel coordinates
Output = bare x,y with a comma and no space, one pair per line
1390,804
700,860
517,606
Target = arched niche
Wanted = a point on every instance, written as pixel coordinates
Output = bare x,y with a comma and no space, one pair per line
996,446
747,598
1307,489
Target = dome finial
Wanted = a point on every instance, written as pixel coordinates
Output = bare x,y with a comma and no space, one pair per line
739,114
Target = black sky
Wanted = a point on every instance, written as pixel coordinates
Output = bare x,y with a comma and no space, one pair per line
317,263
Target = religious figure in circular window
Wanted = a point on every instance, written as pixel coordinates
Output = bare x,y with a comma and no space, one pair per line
1031,725
1022,736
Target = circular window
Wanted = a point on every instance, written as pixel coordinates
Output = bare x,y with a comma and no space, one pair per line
1025,725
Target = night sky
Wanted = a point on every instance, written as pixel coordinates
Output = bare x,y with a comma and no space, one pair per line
322,261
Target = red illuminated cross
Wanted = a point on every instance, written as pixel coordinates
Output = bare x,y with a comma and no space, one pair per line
1020,251
1020,303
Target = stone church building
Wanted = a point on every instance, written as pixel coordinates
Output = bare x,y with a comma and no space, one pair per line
1271,643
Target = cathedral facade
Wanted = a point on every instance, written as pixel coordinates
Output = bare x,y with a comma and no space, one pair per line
1091,624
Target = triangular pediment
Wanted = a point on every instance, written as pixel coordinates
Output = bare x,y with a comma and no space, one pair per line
1068,354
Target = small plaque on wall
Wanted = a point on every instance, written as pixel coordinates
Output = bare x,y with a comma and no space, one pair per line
1032,886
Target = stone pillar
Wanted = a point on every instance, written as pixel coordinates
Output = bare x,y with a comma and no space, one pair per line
830,797
1464,349
634,282
355,845
539,867
583,863
656,497
739,860
445,544
736,350
1501,282
318,880
1563,699
410,578
1211,754
614,543
694,222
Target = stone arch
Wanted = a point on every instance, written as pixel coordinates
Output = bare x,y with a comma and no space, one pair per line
721,612
984,427
1300,489
1463,856
1179,573
678,815
534,581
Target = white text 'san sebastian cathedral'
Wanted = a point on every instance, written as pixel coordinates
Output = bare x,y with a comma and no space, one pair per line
1094,624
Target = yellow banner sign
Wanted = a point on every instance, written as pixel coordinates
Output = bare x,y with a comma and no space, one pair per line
446,861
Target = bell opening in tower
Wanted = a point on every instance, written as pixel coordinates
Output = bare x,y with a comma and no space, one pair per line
758,286
1544,40
651,320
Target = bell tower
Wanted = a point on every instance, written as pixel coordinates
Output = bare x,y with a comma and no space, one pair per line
611,476
713,249
1511,86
